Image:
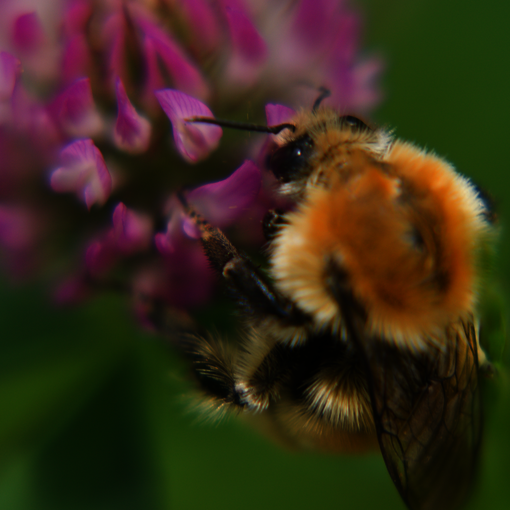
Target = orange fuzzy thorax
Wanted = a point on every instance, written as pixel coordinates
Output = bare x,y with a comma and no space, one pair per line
405,230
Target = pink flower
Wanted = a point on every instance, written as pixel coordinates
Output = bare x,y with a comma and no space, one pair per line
194,141
105,66
161,50
10,69
131,233
132,131
187,273
278,114
224,201
21,229
75,111
249,50
28,34
83,172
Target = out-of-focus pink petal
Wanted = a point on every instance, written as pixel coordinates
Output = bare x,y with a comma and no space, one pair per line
185,74
245,37
194,141
163,243
72,290
83,172
222,202
249,51
189,279
203,23
17,227
132,231
278,114
113,37
346,40
75,110
76,16
174,238
10,69
366,91
21,230
76,58
180,284
190,228
100,257
132,131
313,22
158,44
27,32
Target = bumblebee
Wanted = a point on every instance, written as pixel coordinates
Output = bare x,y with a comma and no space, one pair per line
365,334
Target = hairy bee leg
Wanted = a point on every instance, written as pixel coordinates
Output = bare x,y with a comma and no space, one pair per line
213,364
225,379
256,295
272,223
258,381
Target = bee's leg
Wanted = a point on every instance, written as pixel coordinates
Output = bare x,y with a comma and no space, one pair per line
254,293
273,221
213,365
247,378
231,378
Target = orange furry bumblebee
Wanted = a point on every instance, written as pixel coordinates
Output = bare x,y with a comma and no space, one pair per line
366,334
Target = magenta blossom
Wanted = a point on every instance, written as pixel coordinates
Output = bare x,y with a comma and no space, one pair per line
131,233
75,112
132,131
194,141
86,92
83,172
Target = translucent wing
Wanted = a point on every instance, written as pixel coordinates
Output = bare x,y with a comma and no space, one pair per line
427,412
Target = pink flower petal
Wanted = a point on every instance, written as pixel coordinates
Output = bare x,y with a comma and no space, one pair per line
18,227
113,37
189,278
76,17
83,172
313,24
245,38
100,257
10,69
249,50
28,34
73,290
76,112
132,232
222,202
76,58
203,22
278,114
194,141
185,75
132,131
159,46
22,229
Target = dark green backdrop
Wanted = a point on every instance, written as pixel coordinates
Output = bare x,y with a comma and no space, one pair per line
91,410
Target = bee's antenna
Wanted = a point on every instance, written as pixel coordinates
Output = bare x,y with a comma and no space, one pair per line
245,126
324,93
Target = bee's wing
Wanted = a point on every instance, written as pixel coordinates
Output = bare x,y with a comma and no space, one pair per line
428,417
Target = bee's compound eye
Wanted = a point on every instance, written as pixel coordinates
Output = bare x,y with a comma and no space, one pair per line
353,122
287,161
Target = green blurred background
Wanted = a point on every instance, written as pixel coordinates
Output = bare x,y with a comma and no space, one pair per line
92,409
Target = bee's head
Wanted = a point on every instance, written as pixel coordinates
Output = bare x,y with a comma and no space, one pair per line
320,143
